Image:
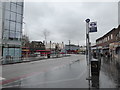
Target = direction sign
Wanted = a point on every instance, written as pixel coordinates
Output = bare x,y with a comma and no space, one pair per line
93,27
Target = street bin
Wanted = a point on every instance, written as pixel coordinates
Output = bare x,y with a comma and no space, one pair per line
95,67
95,81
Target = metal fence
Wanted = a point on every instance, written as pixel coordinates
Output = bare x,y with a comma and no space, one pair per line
11,60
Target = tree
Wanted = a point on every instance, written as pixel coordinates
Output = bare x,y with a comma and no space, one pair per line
46,33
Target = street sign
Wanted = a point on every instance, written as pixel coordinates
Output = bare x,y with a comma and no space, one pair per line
93,27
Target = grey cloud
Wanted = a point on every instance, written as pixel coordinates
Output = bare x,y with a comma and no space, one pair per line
66,20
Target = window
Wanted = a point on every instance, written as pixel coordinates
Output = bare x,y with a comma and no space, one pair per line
7,14
0,12
5,52
7,6
119,33
19,9
111,36
13,7
11,52
108,38
13,1
17,52
18,27
19,18
20,3
12,35
13,16
0,5
5,34
12,25
18,35
6,24
104,39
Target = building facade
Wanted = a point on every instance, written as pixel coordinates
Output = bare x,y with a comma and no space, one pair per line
110,43
36,45
71,48
53,45
0,29
119,13
25,41
111,37
12,20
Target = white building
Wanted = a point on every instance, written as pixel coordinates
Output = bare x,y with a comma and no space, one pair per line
52,45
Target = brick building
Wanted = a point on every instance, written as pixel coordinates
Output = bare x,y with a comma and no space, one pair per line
30,48
110,42
36,45
111,37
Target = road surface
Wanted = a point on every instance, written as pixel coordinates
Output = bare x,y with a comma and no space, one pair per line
65,72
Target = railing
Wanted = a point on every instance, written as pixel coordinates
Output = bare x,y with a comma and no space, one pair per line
11,60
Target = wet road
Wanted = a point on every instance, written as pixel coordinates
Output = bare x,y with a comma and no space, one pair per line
70,74
24,69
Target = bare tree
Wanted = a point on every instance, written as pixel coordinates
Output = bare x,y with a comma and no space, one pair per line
46,33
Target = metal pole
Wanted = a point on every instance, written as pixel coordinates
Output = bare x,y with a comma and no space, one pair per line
88,49
69,46
50,45
86,46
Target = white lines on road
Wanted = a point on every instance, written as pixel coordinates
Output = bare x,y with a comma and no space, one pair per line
1,78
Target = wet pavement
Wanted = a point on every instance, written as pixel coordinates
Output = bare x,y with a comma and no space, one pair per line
72,75
110,72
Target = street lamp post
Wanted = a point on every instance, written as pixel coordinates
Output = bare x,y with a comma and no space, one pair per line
50,45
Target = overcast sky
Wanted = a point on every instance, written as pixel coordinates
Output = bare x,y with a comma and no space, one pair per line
66,20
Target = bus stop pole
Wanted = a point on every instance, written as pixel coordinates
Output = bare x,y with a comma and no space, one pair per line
88,49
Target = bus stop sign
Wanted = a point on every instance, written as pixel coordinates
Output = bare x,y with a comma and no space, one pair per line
93,27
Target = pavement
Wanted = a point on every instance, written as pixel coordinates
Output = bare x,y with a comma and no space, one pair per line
66,72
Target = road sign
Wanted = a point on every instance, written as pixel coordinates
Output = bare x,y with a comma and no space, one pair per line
93,27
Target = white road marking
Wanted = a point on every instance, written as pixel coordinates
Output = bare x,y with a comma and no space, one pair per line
1,78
